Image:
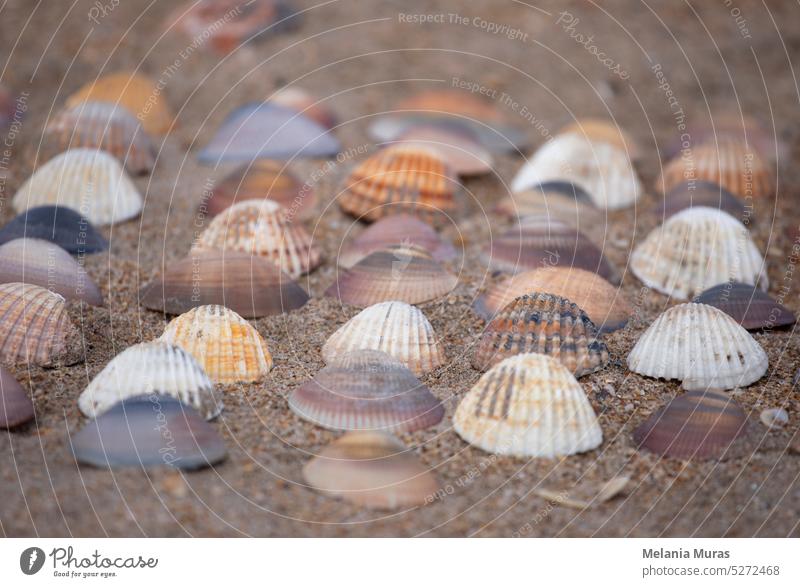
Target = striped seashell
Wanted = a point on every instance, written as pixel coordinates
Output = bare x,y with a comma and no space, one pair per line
371,469
528,406
602,170
748,305
307,104
405,273
250,286
695,249
59,225
42,263
732,125
459,148
598,130
134,91
558,201
702,347
89,181
16,408
367,390
263,228
607,306
225,345
401,179
102,126
693,194
395,328
545,324
150,368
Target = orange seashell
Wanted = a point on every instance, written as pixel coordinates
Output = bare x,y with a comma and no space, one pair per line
438,102
457,147
604,131
306,104
730,125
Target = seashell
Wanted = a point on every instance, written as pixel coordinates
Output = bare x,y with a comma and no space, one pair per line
306,104
134,91
263,130
263,228
395,328
16,408
602,170
545,324
150,368
701,346
747,305
695,249
736,126
774,417
456,146
691,194
528,406
401,179
101,126
57,224
250,286
404,273
367,390
148,432
453,102
261,180
598,130
594,495
607,307
89,181
35,328
727,162
225,344
395,230
697,424
558,201
371,469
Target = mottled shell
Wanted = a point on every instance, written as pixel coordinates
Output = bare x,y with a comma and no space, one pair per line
749,306
528,406
307,104
225,345
702,347
16,408
59,225
598,130
395,328
89,181
459,149
151,368
693,194
695,249
558,201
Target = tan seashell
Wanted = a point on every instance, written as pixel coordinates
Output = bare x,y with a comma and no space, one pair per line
701,346
395,328
528,406
558,201
302,101
459,149
371,469
224,344
774,417
261,227
593,495
146,369
89,181
696,249
436,102
598,130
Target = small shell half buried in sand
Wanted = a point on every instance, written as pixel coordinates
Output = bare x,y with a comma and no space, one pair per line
774,417
305,103
16,408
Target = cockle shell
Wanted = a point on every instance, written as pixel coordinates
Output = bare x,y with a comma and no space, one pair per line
57,224
35,328
395,328
691,194
305,103
405,273
458,148
528,406
263,228
546,324
367,390
371,469
16,408
598,130
89,181
749,306
558,201
225,345
151,368
695,249
732,124
701,346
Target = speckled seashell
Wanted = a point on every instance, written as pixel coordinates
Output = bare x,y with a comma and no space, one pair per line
225,345
696,249
35,328
458,148
305,103
371,469
528,406
150,368
59,225
693,194
263,228
89,181
702,347
395,328
367,390
16,408
598,130
748,305
558,201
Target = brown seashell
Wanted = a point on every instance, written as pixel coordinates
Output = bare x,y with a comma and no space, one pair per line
544,324
35,328
371,469
458,148
557,201
748,305
16,408
697,424
607,307
604,131
250,286
690,194
306,104
404,273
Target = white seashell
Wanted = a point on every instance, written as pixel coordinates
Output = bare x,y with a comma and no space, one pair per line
696,249
529,405
150,368
88,181
701,346
774,417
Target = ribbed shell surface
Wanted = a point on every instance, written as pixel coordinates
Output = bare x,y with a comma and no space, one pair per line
693,194
604,131
460,150
552,201
749,306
